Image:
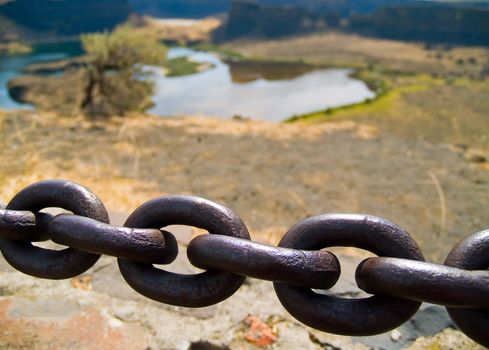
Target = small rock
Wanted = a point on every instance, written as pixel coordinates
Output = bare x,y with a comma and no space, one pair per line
259,333
125,313
474,156
82,282
205,345
396,335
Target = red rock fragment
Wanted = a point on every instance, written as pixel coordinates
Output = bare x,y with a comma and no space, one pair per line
259,333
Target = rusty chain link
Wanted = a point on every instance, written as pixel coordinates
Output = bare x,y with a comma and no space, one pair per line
399,278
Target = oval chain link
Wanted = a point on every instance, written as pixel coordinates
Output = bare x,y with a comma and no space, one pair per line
48,263
359,317
472,254
199,290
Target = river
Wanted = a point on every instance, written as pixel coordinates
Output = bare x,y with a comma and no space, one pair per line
226,89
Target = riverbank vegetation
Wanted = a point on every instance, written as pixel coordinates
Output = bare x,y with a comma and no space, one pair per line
14,48
438,93
114,74
180,66
110,78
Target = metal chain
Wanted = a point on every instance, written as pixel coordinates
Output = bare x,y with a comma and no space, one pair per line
398,278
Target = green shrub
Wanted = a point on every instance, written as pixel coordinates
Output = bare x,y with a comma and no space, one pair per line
115,79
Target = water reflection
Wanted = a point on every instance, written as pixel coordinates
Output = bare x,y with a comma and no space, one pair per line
247,92
269,91
244,72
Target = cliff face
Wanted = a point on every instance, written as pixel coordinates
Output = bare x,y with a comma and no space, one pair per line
64,17
424,22
180,8
343,8
452,25
252,20
203,8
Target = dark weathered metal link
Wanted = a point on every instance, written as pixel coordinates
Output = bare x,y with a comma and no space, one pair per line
399,278
421,281
203,289
472,254
151,246
24,225
359,317
47,263
309,269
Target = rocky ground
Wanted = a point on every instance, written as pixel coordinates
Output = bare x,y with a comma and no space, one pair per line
272,176
99,311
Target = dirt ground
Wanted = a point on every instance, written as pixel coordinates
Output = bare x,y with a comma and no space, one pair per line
182,31
272,175
342,49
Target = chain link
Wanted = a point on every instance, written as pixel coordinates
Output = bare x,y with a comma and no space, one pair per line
359,317
398,278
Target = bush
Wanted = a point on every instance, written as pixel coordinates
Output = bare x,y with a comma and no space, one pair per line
115,79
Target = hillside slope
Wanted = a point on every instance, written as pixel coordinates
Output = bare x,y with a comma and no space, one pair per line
427,22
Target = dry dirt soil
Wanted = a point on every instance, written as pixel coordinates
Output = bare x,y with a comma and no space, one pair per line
272,175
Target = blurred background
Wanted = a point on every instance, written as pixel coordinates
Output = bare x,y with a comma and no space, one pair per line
278,109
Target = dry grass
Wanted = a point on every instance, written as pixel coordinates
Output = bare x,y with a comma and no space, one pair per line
272,175
454,112
180,30
443,202
340,49
421,107
39,146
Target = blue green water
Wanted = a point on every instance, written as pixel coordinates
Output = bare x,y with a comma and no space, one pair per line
12,66
214,92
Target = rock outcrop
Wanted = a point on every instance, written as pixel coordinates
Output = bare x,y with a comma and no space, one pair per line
100,311
248,19
402,20
44,19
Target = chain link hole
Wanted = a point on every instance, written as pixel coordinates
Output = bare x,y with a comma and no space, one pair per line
50,244
183,234
346,287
